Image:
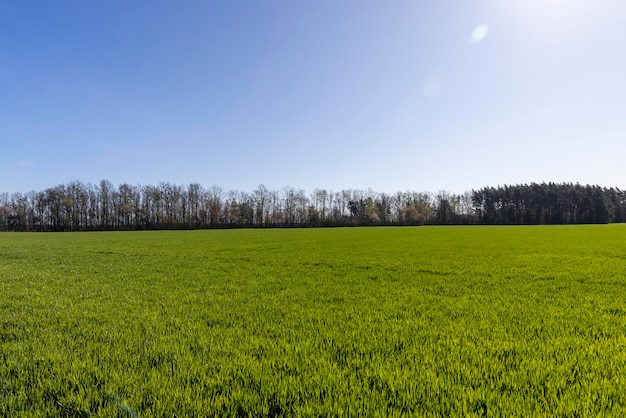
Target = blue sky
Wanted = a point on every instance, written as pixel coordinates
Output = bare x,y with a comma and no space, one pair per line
388,95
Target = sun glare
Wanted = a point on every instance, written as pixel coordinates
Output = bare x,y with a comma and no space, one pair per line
557,20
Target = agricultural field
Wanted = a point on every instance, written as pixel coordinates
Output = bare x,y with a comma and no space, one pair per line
407,321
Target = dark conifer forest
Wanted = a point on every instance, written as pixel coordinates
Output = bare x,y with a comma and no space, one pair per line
85,207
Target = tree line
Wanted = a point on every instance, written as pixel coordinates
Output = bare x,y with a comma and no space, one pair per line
549,204
85,207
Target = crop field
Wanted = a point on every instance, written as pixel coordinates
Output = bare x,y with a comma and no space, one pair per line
414,321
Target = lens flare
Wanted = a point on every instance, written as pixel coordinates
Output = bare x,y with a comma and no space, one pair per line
431,88
479,33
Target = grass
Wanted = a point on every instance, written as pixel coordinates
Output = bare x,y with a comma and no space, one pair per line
424,321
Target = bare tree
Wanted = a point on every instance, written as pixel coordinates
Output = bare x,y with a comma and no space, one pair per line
215,195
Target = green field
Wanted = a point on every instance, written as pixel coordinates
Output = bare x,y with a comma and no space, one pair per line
426,321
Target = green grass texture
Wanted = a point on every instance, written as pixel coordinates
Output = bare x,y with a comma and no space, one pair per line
406,321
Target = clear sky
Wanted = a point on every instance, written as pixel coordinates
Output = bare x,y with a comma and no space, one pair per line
336,94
